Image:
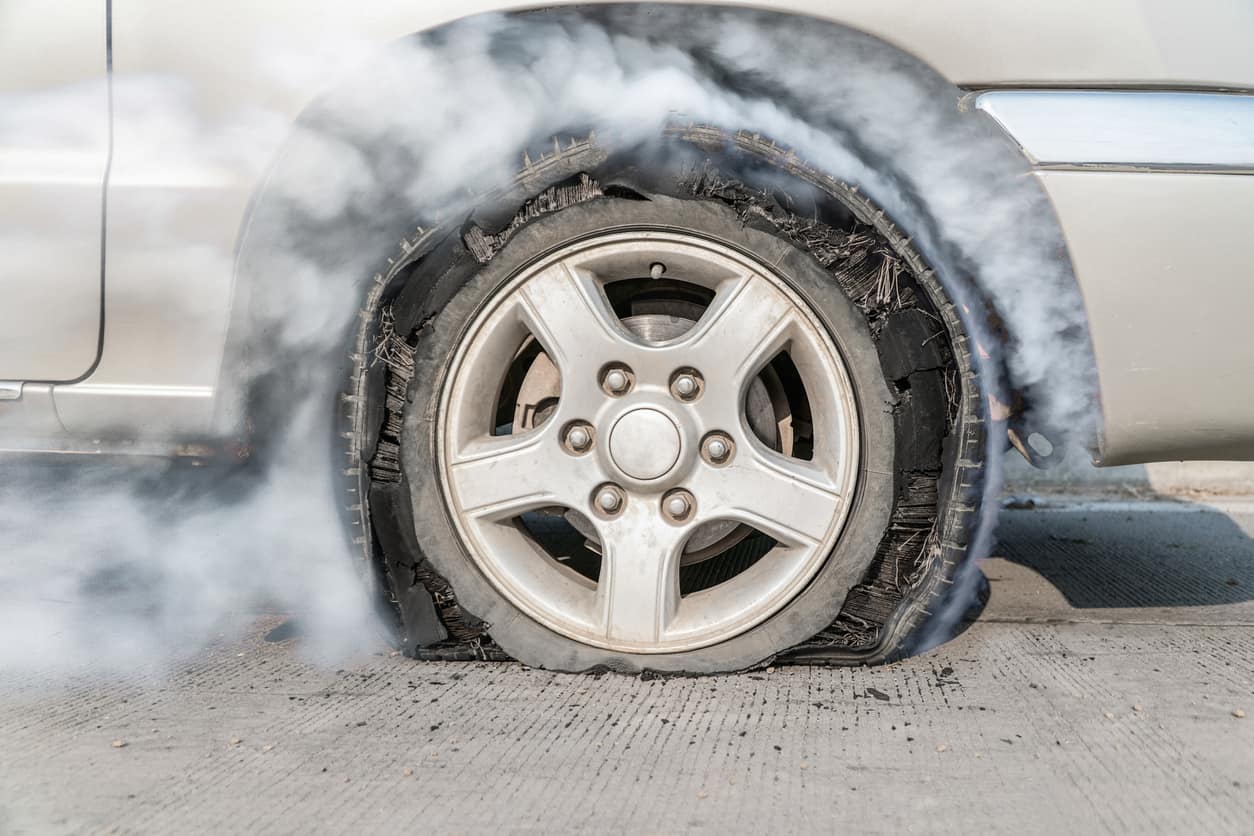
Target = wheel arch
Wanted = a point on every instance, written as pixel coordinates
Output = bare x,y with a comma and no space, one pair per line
909,193
338,267
347,275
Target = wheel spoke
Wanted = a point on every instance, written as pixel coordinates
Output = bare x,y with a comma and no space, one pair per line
566,311
748,322
792,501
499,477
639,585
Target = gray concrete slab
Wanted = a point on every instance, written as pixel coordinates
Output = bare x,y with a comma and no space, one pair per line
1096,693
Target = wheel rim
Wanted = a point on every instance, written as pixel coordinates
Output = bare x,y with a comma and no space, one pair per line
648,447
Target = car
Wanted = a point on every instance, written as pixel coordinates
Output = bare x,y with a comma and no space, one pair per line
669,337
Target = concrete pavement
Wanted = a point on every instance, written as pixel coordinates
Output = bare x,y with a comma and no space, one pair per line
1098,692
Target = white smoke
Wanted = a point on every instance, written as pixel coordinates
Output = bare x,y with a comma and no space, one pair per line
109,568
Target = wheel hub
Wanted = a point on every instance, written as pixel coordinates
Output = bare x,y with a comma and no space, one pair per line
645,444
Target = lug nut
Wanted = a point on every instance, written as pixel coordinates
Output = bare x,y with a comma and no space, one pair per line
678,505
686,385
578,438
616,381
717,448
608,500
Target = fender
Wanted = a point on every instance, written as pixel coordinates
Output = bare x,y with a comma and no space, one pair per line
957,187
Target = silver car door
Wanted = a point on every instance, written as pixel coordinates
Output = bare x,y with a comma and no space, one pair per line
54,150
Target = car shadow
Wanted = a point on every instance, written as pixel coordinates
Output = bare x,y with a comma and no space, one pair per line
1123,554
1148,551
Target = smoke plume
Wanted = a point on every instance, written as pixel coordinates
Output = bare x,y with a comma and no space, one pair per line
116,566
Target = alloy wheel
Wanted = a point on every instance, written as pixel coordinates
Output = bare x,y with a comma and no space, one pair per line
669,404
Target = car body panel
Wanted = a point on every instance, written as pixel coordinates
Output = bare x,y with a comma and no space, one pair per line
973,43
1165,266
170,283
51,189
1154,193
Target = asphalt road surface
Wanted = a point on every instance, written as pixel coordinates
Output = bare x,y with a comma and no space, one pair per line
1101,690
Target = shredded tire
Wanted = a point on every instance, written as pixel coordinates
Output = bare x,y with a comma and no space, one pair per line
924,357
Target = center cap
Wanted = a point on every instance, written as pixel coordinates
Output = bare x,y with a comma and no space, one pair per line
644,443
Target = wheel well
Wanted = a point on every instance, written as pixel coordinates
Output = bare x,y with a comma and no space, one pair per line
849,112
866,98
